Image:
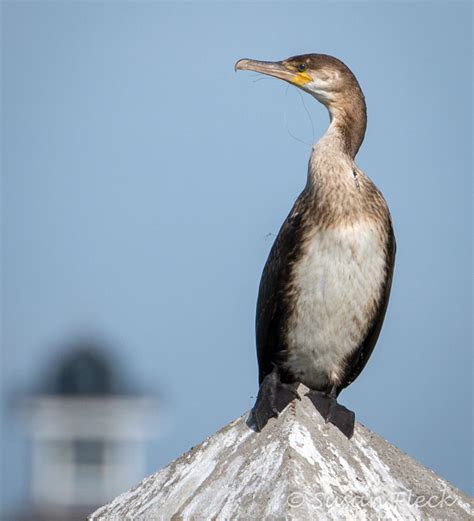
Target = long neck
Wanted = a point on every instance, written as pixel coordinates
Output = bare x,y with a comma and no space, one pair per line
348,123
332,159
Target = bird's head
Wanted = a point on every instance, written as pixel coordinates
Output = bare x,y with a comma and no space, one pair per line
328,79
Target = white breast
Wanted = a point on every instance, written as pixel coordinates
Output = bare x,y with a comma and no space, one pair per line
337,282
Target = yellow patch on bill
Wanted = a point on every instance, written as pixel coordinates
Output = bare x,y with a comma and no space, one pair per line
302,78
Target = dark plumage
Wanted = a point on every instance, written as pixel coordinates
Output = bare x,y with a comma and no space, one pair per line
326,284
276,294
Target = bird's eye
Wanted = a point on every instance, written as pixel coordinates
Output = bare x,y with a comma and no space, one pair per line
302,67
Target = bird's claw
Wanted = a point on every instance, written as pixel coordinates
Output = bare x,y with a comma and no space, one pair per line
333,412
273,397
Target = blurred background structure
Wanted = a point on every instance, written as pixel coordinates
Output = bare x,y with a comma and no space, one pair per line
88,436
88,433
142,185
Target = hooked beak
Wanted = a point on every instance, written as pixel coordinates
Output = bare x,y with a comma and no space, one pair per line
275,69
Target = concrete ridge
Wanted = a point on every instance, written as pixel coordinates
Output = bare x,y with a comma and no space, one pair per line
297,468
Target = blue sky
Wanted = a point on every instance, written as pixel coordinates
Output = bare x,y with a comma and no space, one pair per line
143,178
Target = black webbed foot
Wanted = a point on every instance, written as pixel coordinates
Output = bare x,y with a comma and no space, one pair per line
273,396
333,412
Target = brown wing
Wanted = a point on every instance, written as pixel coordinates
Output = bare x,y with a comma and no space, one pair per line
361,355
271,304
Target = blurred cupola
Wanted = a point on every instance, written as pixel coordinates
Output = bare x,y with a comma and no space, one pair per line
88,430
85,371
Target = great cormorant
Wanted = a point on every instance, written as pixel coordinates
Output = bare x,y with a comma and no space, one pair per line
326,283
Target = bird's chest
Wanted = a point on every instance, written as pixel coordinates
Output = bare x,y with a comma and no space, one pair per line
336,286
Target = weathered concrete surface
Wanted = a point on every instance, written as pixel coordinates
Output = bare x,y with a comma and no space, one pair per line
298,468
